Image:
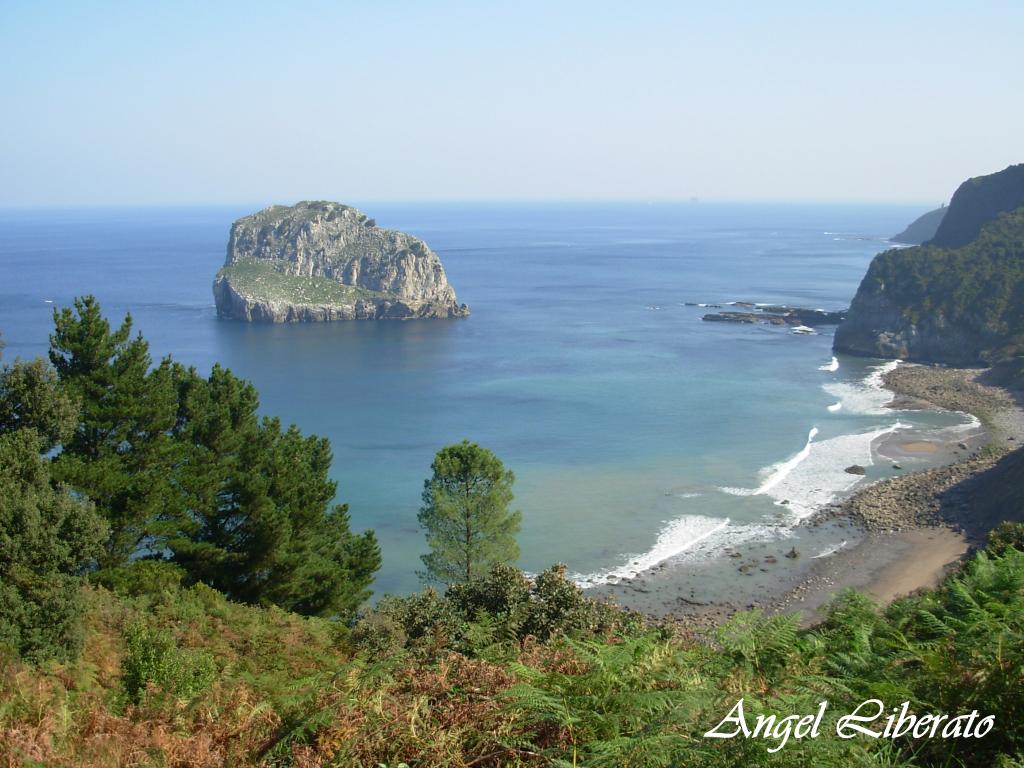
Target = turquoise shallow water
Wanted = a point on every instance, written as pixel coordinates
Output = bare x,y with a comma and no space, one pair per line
622,414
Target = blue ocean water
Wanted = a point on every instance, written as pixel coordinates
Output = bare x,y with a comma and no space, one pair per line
623,415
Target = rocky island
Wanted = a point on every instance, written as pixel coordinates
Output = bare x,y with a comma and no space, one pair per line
321,261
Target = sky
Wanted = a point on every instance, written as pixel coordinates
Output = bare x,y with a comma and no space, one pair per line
142,103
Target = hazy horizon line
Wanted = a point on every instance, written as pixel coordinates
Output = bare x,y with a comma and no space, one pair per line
554,201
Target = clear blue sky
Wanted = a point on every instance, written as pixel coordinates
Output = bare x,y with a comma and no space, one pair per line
181,102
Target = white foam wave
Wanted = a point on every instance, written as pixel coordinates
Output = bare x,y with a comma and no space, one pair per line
877,376
779,472
677,536
867,397
688,535
831,367
821,476
830,550
690,495
836,406
776,473
972,423
816,475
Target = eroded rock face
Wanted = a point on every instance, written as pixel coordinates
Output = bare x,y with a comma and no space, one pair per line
877,326
955,299
322,261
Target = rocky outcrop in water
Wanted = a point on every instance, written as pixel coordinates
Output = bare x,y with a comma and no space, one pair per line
774,314
322,261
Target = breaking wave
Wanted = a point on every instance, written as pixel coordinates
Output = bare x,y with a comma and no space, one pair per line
816,475
866,397
689,534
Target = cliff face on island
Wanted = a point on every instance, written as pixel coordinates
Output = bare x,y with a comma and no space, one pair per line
322,261
950,301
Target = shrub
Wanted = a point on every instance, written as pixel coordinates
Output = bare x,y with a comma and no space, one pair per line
142,577
1006,535
378,634
40,616
427,619
153,660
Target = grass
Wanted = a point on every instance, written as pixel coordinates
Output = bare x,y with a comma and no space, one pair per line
267,280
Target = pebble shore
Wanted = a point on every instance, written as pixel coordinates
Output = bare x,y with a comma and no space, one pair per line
913,525
916,518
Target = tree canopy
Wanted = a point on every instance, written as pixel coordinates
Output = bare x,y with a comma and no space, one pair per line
184,469
465,515
47,534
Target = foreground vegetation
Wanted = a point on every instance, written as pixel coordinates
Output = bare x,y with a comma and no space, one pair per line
184,677
178,588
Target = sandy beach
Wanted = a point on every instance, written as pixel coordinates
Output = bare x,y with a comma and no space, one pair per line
900,534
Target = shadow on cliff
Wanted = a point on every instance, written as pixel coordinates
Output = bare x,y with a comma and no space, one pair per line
981,502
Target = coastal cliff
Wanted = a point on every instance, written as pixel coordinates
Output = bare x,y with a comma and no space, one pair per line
978,201
323,261
922,229
948,301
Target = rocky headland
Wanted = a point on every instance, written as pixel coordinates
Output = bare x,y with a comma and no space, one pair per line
922,229
323,261
959,298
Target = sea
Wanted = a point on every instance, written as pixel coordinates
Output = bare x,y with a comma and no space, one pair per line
637,432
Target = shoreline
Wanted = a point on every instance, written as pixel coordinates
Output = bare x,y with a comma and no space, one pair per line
919,525
907,530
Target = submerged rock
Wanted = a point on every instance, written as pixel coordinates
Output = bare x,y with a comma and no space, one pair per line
322,261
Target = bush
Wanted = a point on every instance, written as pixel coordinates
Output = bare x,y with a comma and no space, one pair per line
428,620
142,577
504,606
1007,535
40,617
378,634
153,661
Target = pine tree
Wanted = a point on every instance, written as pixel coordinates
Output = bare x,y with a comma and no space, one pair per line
121,455
183,468
47,535
30,399
465,515
260,525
